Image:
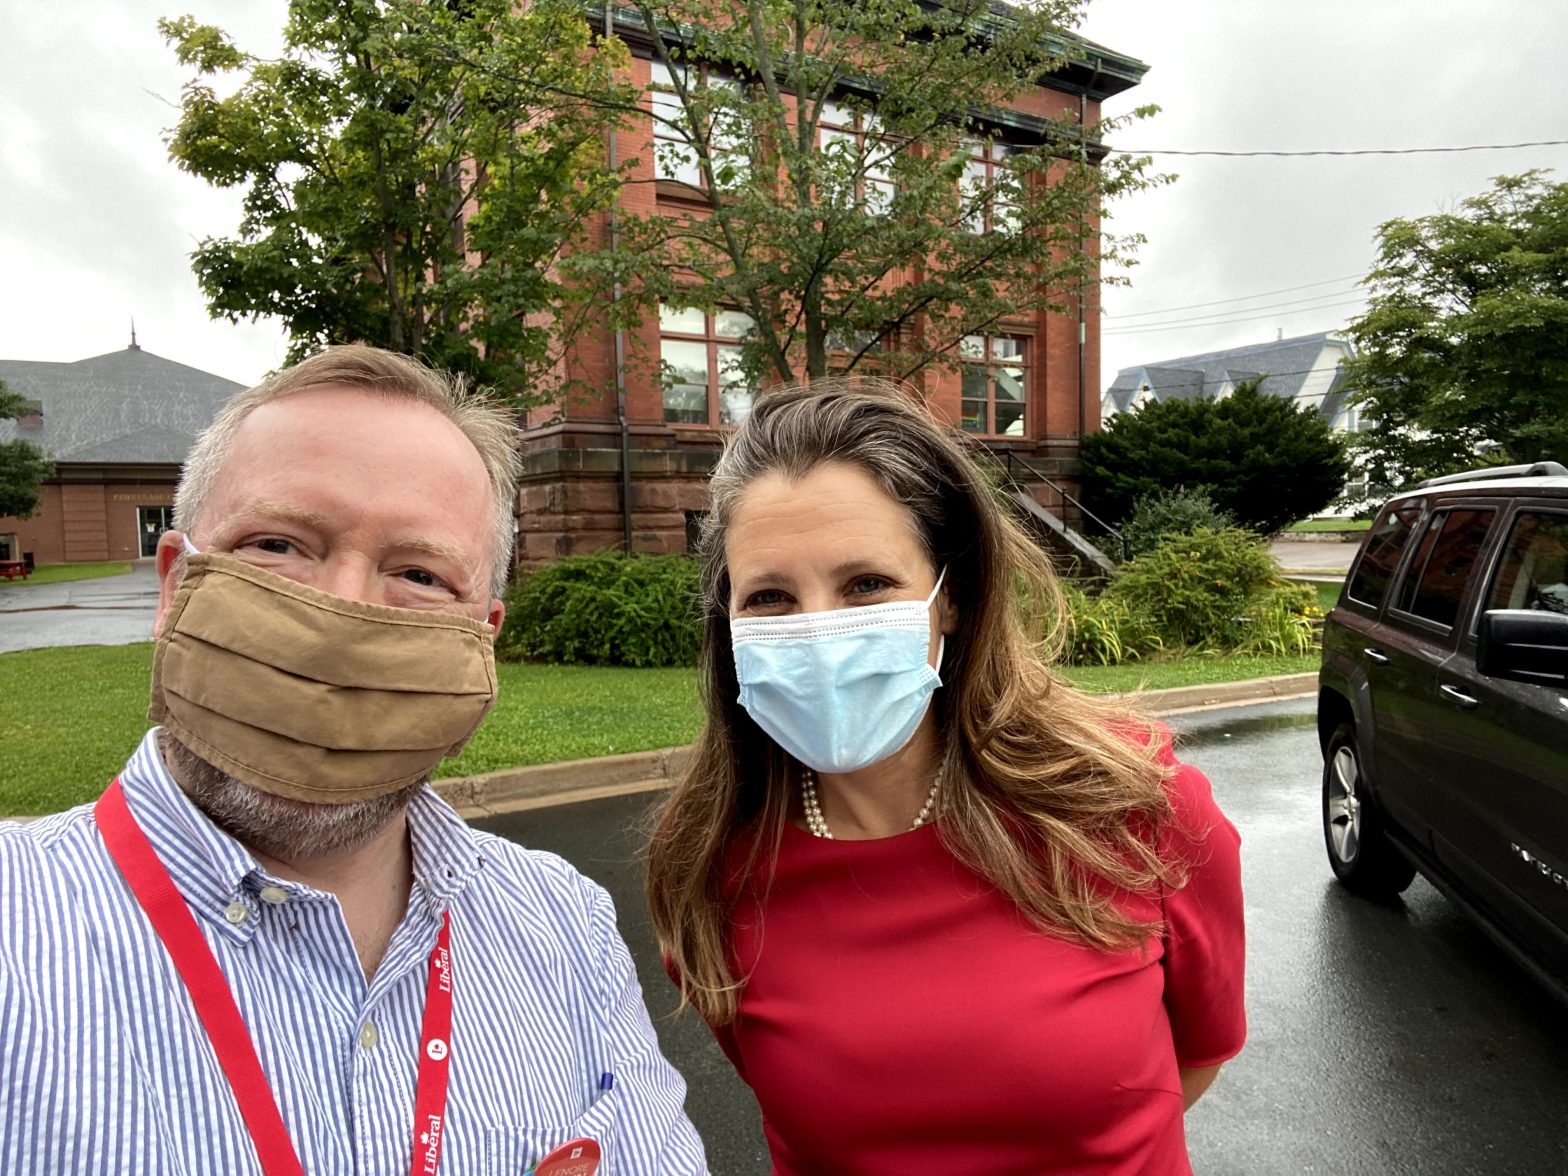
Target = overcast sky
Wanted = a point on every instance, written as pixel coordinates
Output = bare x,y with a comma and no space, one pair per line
96,224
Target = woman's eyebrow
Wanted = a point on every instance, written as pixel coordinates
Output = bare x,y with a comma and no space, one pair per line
859,567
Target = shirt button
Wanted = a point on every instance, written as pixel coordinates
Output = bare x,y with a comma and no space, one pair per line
368,1035
236,913
276,895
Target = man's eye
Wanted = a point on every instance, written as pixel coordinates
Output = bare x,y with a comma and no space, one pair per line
423,578
272,545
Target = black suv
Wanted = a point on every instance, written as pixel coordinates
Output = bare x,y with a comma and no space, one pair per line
1443,706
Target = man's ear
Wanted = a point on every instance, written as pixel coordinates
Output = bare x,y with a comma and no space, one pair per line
497,615
170,562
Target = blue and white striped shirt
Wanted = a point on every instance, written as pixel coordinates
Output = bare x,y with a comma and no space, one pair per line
104,1067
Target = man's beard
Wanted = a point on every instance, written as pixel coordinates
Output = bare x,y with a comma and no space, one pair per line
276,826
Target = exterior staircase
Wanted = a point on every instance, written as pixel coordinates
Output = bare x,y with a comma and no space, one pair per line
1052,521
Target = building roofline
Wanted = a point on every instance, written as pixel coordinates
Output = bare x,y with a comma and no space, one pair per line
1091,69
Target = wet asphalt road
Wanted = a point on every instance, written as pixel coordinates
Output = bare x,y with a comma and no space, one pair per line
1383,1039
112,610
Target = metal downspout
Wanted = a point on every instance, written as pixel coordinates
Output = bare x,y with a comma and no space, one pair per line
1083,240
620,333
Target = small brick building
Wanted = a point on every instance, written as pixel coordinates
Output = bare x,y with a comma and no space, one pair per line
118,427
1031,387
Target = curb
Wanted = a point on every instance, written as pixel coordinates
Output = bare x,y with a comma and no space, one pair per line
570,781
543,785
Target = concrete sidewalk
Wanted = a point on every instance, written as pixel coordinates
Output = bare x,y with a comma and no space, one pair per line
544,785
1317,561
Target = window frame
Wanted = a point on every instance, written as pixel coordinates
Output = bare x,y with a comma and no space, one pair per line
991,156
1436,514
866,135
662,92
990,362
1376,607
713,342
1556,508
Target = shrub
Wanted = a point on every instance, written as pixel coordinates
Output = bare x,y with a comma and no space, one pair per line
1261,457
1177,511
1280,626
605,609
1198,590
1106,631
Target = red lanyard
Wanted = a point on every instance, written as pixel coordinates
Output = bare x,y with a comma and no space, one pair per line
174,924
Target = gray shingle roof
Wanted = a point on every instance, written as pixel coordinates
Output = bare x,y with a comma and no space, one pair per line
126,407
1285,365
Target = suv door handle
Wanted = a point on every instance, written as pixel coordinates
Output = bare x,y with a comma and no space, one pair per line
1459,698
1376,655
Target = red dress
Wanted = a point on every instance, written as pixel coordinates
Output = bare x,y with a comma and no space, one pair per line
901,1018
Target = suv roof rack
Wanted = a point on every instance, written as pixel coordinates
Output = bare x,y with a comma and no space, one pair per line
1540,469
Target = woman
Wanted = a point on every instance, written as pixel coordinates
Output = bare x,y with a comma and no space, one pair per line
944,913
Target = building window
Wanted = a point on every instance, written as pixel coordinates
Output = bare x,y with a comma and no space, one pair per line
995,377
700,355
674,150
983,189
854,138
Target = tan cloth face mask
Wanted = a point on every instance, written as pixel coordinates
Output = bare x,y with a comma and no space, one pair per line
310,696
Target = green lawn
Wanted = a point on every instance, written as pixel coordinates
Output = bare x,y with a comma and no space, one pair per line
1186,671
1319,525
60,573
70,716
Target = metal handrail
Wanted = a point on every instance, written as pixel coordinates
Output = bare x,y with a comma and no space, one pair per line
1010,458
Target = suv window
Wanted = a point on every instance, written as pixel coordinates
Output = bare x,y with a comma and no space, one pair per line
1434,584
1534,569
1378,560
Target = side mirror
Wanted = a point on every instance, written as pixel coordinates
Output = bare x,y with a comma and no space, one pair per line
1524,645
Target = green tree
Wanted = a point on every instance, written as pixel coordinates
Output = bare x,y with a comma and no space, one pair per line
1261,458
412,174
866,194
1463,348
23,466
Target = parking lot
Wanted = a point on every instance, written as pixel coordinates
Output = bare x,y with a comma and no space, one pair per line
1384,1039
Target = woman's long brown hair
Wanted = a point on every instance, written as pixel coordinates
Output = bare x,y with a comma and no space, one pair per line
1049,794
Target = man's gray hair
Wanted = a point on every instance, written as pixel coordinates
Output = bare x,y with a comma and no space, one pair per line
488,426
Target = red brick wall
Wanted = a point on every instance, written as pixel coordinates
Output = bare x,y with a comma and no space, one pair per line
87,522
566,509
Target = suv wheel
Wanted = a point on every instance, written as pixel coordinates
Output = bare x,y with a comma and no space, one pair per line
1363,857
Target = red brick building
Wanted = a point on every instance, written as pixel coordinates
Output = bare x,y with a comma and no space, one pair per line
118,427
1030,387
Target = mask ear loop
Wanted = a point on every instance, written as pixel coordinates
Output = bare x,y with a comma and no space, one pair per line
190,548
941,638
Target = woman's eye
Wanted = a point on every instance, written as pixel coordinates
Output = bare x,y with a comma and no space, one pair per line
767,598
867,585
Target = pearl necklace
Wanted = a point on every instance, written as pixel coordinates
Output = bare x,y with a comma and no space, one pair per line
818,824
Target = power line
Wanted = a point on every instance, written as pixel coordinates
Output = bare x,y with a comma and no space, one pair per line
1239,298
1221,315
1224,322
1355,151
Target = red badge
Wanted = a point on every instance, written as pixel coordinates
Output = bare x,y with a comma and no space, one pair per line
580,1157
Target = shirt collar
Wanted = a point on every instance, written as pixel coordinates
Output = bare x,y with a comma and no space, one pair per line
215,872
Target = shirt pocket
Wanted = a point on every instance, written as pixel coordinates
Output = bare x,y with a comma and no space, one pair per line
511,1151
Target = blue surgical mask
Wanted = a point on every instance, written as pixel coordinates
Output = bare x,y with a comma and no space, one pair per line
839,690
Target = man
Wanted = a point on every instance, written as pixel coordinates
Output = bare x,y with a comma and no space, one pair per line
271,947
